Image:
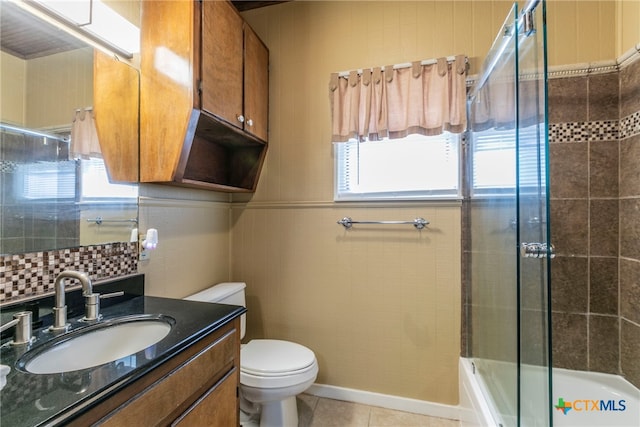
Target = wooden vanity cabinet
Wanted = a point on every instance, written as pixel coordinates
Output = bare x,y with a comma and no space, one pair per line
197,387
213,408
204,96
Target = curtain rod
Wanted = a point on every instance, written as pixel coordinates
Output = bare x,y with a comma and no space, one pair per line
450,59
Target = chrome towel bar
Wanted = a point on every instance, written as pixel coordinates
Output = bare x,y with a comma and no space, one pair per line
100,220
418,223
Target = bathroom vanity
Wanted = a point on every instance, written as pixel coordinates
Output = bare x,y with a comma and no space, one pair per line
190,377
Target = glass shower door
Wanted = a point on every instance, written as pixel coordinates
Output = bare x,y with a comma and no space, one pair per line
533,226
508,234
492,226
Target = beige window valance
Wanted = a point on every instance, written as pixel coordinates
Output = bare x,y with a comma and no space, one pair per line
84,136
394,102
495,104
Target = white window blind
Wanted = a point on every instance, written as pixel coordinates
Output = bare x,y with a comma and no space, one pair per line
47,180
493,153
416,167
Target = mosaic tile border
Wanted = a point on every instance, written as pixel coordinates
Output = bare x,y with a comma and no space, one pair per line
630,125
7,166
24,275
603,130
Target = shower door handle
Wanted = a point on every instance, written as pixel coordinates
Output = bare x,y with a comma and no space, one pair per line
537,250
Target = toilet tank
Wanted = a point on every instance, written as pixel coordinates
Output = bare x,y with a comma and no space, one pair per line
225,293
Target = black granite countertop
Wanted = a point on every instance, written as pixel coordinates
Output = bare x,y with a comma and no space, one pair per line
52,399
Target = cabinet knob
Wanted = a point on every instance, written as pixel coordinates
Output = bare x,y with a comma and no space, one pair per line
241,118
250,122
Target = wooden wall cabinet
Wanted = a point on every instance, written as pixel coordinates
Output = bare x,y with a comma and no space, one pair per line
115,105
225,94
204,96
197,387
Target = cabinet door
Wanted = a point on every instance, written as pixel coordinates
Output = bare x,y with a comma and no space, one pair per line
217,407
256,85
176,390
116,104
221,56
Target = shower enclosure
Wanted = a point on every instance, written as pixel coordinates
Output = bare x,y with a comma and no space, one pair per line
506,245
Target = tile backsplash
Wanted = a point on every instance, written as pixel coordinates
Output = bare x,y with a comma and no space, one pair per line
29,274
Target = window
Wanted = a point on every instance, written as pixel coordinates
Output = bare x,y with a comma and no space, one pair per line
59,180
493,154
46,180
413,168
94,183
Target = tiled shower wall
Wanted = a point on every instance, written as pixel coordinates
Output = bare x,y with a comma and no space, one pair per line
629,266
26,226
595,221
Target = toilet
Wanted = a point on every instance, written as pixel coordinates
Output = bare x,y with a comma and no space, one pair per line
272,372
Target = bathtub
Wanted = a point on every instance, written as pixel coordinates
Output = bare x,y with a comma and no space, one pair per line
580,399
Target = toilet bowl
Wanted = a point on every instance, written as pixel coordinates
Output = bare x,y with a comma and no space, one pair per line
272,372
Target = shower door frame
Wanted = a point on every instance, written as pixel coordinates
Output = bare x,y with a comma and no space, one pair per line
519,378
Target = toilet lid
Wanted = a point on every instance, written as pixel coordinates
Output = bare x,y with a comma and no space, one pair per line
273,357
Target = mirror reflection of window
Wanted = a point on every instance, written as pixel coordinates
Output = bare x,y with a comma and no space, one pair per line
50,177
93,179
46,181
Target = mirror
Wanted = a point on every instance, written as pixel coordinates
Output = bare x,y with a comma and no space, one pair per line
55,191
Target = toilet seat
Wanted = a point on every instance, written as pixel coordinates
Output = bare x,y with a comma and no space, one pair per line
276,363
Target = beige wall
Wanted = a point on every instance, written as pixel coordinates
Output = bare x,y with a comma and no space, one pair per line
56,86
129,9
581,31
44,92
193,233
378,305
13,80
628,25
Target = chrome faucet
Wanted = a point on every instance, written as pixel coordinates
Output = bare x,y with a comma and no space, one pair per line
60,308
22,322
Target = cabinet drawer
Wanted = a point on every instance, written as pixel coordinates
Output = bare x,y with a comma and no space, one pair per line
217,407
167,398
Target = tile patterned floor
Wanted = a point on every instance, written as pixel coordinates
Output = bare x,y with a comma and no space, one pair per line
316,411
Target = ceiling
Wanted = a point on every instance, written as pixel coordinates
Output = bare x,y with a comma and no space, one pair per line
27,37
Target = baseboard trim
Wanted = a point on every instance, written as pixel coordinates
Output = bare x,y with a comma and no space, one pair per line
387,401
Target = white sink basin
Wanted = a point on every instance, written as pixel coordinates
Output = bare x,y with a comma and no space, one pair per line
97,344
